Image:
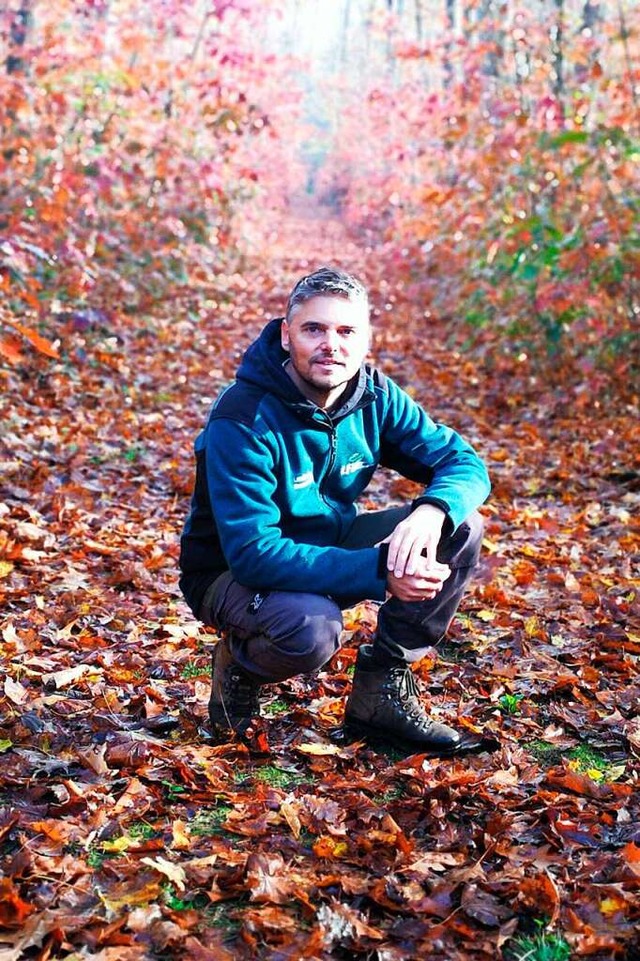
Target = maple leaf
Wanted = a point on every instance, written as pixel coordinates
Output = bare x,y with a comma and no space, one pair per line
267,879
174,872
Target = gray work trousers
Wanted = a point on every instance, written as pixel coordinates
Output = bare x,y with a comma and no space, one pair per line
279,634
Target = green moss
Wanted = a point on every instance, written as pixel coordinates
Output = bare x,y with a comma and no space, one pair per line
582,758
546,754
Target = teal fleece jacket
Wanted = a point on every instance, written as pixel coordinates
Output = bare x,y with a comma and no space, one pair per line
277,479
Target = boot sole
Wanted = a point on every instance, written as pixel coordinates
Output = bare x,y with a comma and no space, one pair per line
468,743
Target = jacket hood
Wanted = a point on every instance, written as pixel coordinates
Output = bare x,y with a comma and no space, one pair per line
263,365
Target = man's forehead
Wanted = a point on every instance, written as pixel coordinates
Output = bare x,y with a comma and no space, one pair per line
332,310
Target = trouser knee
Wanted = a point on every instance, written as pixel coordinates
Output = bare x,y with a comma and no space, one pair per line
315,642
301,645
462,548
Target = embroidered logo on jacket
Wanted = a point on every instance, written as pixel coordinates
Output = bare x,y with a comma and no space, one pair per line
303,480
353,466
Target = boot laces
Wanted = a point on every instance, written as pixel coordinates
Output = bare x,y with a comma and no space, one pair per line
240,691
402,684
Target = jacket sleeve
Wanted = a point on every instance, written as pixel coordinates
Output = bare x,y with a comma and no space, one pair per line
455,477
241,472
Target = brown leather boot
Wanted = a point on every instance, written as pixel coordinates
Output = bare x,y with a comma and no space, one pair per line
234,701
385,703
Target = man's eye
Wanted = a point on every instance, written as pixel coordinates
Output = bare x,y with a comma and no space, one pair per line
347,331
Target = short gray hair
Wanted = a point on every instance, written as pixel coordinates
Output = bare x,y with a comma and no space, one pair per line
326,282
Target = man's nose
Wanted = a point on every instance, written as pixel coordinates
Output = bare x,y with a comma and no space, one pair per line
330,342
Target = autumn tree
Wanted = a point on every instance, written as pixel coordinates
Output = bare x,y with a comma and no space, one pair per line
505,185
133,138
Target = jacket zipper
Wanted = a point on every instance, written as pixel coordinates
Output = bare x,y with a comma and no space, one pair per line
333,451
332,459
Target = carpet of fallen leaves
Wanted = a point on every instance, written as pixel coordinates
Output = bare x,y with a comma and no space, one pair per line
126,834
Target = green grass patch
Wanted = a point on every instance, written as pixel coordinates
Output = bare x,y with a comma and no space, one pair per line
277,706
195,669
273,776
396,793
141,829
546,754
132,454
173,792
583,758
210,821
218,916
278,777
96,856
184,902
542,947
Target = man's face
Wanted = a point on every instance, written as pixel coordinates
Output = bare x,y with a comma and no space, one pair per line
327,338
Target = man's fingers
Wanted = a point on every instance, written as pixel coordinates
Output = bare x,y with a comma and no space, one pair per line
385,540
437,571
416,588
398,553
412,565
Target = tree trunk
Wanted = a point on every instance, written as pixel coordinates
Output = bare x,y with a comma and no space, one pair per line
591,25
419,23
19,27
557,51
489,15
346,17
450,22
591,14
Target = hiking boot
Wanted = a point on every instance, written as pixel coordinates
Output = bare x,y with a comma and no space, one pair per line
234,694
385,703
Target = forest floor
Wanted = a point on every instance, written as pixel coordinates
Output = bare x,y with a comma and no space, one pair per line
126,834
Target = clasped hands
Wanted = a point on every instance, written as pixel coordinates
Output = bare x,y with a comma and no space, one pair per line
413,572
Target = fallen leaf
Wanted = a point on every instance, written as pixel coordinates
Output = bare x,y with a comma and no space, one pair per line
70,675
16,693
171,870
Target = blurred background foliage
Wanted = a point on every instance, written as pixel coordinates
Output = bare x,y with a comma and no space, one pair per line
484,152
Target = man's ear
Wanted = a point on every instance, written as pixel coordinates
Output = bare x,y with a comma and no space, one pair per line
284,335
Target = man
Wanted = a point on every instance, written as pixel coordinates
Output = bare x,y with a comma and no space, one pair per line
274,548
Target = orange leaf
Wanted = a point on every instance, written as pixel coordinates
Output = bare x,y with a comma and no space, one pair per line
13,910
37,341
540,894
327,847
9,350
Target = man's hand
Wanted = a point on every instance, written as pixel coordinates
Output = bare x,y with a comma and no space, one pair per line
417,587
414,542
413,572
